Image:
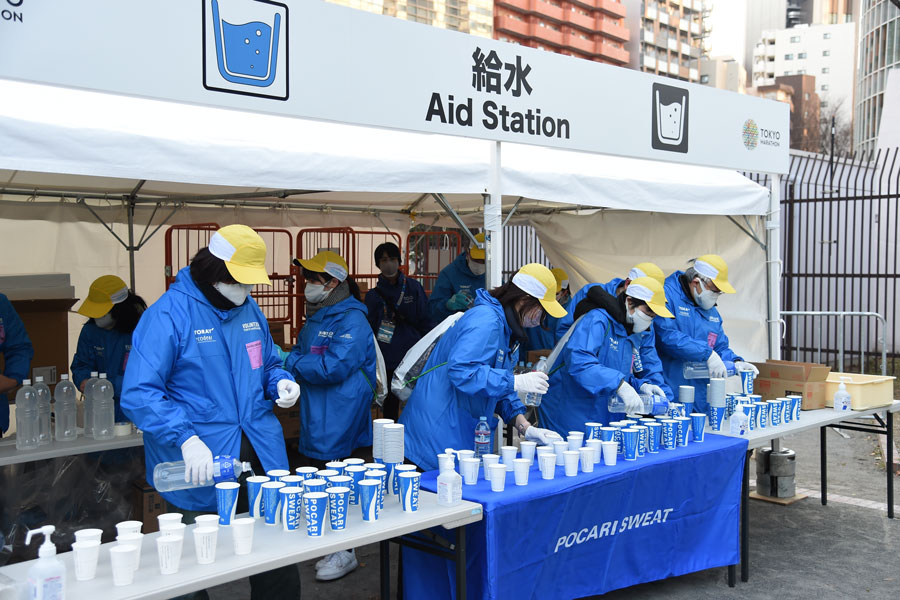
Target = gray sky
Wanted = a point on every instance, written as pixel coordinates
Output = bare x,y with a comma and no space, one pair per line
728,35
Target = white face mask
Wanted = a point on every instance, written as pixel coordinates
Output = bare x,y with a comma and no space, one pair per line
105,322
315,292
706,298
389,268
533,319
476,268
640,321
235,292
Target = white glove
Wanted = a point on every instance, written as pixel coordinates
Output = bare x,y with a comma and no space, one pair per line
534,382
716,366
740,365
288,392
653,390
544,437
633,403
198,461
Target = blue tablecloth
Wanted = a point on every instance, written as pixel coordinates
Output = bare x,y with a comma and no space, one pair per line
663,515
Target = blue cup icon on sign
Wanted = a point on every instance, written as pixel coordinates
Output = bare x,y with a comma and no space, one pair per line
246,52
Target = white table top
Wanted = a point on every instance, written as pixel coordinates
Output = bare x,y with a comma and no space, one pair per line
808,420
80,445
272,548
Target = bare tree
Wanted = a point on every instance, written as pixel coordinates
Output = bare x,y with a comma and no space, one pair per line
843,129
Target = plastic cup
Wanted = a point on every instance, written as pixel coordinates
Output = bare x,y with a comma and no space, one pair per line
654,437
543,450
775,411
521,466
327,474
488,460
746,380
122,560
586,453
698,426
226,500
669,434
630,437
607,434
88,535
206,521
558,448
547,464
272,501
684,430
528,449
168,549
132,539
617,435
290,507
469,468
382,477
395,479
716,417
570,460
610,452
338,500
642,439
336,465
377,466
205,539
357,473
508,453
356,462
173,529
409,490
461,454
292,481
575,440
595,445
685,393
277,474
254,495
307,472
368,499
128,527
242,534
86,553
763,414
314,485
172,517
498,477
592,430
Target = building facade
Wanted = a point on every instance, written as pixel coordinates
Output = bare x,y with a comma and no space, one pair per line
668,37
879,52
724,73
805,109
468,16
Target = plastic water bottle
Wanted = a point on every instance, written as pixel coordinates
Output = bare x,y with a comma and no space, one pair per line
449,487
842,399
45,434
27,418
104,409
652,404
65,409
482,438
89,404
169,476
700,370
533,398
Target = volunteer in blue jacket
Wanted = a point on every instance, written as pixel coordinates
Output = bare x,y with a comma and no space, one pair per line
696,333
398,314
543,337
17,354
596,362
202,376
334,362
457,282
105,340
469,374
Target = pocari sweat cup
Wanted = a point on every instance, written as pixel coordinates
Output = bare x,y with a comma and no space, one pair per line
630,437
254,495
290,507
409,490
357,473
226,500
368,499
271,502
315,506
338,501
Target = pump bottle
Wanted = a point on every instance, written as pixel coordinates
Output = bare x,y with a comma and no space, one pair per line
47,578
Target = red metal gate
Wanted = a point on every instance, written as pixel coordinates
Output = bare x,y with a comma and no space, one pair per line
427,252
182,243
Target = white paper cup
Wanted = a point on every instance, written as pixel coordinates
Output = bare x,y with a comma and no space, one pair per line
521,466
527,449
128,527
488,460
610,451
461,454
595,445
86,554
469,468
547,464
207,521
168,549
498,477
509,455
242,531
122,560
168,518
543,450
586,454
558,448
132,539
570,459
173,530
88,535
205,539
575,439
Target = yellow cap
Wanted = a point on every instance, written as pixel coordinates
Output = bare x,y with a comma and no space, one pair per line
244,253
476,252
326,261
650,291
105,292
713,266
562,278
647,269
537,281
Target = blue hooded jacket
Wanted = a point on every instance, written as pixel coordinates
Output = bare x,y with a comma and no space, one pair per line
334,363
588,371
104,351
413,323
690,337
566,321
16,350
453,278
198,370
468,375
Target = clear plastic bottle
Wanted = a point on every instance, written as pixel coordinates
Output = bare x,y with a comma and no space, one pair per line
482,438
842,399
700,370
104,409
27,418
169,476
89,404
65,409
449,487
533,398
47,577
653,404
45,433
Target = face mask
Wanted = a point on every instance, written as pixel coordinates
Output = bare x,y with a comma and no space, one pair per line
707,298
234,292
476,268
532,319
389,268
105,322
315,292
640,321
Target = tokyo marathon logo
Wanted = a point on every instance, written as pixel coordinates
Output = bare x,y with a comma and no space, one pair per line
750,134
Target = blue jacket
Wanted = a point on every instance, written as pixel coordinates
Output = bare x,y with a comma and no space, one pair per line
334,363
16,350
104,351
588,371
565,322
453,278
540,338
198,370
471,376
413,323
690,337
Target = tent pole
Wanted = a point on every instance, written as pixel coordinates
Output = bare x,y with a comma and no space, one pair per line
131,242
493,223
773,262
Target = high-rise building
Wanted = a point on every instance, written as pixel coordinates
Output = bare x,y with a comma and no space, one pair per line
668,37
805,107
724,73
591,29
469,16
879,52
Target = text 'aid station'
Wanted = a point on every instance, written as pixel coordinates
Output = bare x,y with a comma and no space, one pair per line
245,47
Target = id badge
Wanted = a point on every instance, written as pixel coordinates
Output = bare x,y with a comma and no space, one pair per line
386,331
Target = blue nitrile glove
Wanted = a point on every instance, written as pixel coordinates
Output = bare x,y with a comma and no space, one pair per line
284,356
458,301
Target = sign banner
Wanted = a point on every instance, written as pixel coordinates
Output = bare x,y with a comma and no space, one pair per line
310,59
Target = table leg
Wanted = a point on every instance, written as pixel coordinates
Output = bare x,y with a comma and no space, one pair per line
385,552
823,468
889,462
732,575
400,573
460,552
745,522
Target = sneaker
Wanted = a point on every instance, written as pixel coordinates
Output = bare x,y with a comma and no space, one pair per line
337,565
322,561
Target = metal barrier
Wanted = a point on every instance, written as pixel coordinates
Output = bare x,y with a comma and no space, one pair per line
427,252
840,315
182,243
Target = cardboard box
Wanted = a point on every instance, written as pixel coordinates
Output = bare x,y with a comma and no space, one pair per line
780,378
290,421
534,355
866,391
147,505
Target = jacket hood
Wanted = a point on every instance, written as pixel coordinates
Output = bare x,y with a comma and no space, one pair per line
483,297
597,297
463,264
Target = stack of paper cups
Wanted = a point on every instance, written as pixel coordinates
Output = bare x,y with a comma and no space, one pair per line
392,443
378,437
716,392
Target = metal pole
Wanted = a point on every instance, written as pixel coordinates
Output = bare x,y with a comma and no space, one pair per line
131,242
831,161
840,340
773,251
493,223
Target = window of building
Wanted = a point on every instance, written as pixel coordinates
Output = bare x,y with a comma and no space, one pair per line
786,73
788,57
801,55
826,52
801,71
824,104
825,70
824,87
806,96
704,79
826,36
795,39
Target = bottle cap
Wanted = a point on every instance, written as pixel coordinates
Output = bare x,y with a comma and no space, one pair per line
26,382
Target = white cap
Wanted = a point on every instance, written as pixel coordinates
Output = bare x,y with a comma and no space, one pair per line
63,377
26,382
102,375
39,379
93,373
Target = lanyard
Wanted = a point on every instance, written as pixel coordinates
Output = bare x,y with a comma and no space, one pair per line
400,298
